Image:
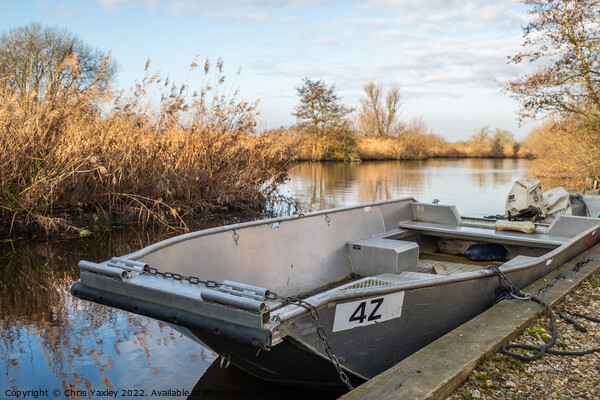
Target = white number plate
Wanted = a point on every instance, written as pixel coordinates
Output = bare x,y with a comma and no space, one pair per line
368,311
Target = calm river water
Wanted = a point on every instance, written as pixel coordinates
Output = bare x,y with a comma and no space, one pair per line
56,346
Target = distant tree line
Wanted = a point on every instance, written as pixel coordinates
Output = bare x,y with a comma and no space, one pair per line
334,131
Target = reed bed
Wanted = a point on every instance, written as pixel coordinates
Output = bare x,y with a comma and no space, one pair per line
408,146
152,153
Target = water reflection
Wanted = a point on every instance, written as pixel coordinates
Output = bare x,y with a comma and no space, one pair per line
50,340
232,383
475,186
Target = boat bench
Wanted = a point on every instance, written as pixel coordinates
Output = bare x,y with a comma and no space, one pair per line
384,253
485,234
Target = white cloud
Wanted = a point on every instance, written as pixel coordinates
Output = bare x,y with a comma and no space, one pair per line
61,10
114,5
247,11
433,43
435,49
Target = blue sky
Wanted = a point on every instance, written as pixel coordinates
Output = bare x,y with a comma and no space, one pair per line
447,55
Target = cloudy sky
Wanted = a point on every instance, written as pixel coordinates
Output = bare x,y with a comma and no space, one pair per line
447,55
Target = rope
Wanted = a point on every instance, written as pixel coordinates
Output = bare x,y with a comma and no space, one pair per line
511,291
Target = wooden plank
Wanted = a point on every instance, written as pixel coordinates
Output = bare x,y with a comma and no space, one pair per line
448,258
440,269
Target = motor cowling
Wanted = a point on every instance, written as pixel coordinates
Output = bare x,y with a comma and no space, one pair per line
525,201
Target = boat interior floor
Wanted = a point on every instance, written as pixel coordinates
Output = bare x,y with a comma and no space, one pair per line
413,252
452,264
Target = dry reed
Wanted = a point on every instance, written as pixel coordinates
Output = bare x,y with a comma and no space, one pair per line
416,142
127,155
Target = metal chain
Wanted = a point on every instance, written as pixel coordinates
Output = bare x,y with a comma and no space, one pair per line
506,288
320,332
269,296
515,292
191,279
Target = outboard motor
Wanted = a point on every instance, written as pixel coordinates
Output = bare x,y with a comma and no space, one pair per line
557,201
525,201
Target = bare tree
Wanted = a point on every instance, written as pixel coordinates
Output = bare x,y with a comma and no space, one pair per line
40,60
379,111
479,141
321,110
564,36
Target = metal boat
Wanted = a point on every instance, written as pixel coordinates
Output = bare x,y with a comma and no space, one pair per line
331,297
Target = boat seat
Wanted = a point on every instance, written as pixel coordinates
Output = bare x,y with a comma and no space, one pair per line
485,234
383,253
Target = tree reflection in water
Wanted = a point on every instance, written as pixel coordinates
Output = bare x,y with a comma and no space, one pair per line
475,186
51,340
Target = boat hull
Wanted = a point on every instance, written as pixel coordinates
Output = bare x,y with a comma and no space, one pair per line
371,321
300,359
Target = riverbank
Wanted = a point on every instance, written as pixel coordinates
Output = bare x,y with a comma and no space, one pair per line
413,144
321,185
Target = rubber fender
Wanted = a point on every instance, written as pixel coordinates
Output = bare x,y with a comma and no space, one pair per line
486,252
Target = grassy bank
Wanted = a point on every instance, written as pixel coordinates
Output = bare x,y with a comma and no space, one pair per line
126,155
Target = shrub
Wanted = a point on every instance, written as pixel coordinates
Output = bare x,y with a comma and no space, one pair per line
568,150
